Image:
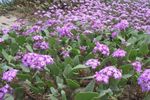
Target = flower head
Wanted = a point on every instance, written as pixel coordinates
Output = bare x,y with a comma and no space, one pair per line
137,66
119,53
4,90
106,73
5,31
102,48
65,53
9,75
36,61
92,63
122,25
41,45
144,80
37,38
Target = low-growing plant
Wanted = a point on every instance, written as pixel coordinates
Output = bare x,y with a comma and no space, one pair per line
74,59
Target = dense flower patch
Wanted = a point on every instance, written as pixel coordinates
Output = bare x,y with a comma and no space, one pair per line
94,51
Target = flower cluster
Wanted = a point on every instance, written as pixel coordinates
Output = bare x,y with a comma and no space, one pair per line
1,40
92,63
119,53
93,15
102,48
41,45
36,61
5,31
66,30
137,66
9,75
122,25
65,53
37,38
4,90
144,80
105,74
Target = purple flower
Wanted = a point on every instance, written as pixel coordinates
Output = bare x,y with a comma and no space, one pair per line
106,73
9,75
114,34
83,48
137,66
5,31
66,29
92,63
102,48
122,25
1,40
37,61
4,90
97,25
16,27
144,80
41,45
119,53
37,38
65,54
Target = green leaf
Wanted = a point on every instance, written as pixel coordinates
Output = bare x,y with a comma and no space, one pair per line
147,97
25,69
21,40
59,82
52,97
8,97
127,71
79,67
86,96
29,48
63,95
132,54
76,60
90,86
67,71
126,76
6,55
143,49
54,91
24,76
5,37
54,69
104,92
72,83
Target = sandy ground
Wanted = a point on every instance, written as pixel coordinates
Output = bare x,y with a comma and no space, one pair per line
7,21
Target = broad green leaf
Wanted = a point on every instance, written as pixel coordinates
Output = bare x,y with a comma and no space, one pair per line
51,97
79,67
144,49
90,86
5,37
23,76
54,91
21,40
86,95
6,55
147,97
104,92
72,83
25,69
29,48
63,95
67,71
76,60
8,97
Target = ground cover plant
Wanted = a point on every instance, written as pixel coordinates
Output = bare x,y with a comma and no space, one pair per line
90,51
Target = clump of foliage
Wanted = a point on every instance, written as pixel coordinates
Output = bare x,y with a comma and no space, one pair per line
80,54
